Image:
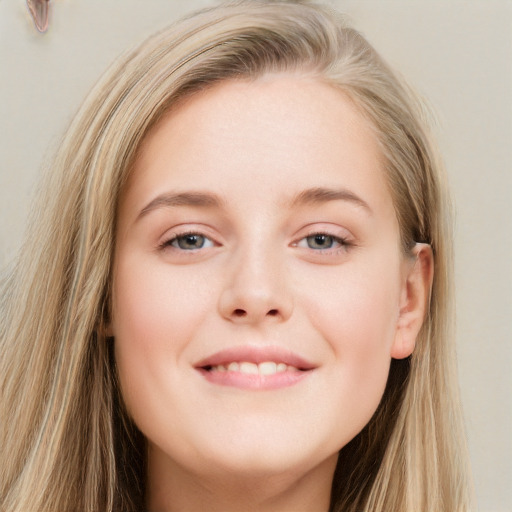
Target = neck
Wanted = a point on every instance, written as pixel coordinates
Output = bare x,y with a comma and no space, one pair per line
172,488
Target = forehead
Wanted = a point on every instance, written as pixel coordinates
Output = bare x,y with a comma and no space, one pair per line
271,136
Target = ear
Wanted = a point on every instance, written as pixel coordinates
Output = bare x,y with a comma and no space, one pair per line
414,300
105,330
109,330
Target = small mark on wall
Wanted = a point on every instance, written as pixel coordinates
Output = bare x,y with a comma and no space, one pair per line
39,10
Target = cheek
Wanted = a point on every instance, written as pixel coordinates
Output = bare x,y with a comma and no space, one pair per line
358,318
358,307
155,305
155,315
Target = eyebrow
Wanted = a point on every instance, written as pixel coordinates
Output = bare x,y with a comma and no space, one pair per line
319,195
198,199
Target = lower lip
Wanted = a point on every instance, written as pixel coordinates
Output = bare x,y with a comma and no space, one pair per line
254,381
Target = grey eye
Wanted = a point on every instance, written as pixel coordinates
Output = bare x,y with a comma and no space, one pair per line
320,241
191,241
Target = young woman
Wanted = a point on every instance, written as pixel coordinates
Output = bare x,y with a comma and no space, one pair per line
236,290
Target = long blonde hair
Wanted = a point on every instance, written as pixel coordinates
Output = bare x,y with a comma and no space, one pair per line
66,440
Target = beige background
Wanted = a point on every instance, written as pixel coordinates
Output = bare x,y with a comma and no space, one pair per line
457,53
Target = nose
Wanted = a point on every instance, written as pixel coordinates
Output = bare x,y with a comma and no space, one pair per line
255,290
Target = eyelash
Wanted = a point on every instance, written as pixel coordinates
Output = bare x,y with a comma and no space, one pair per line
343,243
169,242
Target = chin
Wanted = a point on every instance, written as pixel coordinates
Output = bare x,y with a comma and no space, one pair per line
263,452
256,464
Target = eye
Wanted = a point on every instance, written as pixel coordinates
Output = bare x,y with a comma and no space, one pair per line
322,241
189,242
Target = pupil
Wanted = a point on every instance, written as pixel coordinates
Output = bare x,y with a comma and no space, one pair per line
191,242
320,241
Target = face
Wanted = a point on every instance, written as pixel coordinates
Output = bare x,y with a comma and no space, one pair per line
258,280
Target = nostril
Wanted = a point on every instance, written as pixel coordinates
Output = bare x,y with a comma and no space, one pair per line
239,313
273,312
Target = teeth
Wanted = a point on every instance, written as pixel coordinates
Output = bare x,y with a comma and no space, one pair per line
249,368
281,367
265,368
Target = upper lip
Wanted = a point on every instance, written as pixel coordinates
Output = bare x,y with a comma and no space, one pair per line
256,355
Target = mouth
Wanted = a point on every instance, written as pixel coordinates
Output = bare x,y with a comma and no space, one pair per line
248,368
255,368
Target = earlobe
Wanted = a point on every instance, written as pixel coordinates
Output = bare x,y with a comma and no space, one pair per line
105,328
106,323
415,300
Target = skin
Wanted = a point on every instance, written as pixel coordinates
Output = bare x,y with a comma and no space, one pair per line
346,302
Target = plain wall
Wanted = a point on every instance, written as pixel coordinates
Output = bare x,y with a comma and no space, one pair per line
457,53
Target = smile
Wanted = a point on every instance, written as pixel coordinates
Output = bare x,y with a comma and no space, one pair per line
265,368
255,367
